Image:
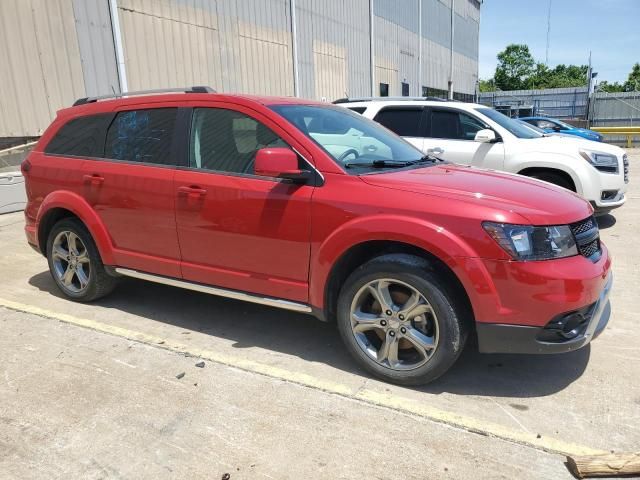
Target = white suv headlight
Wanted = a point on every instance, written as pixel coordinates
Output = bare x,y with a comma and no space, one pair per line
605,162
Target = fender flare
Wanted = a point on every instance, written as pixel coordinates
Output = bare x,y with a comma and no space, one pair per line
420,233
80,208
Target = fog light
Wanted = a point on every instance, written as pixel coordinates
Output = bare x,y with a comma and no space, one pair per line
609,194
564,327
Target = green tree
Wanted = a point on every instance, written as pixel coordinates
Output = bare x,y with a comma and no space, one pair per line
487,85
605,86
515,67
633,81
632,84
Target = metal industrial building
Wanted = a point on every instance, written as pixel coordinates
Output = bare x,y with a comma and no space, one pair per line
54,51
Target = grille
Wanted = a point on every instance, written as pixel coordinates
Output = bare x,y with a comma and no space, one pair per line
625,162
590,248
587,238
583,226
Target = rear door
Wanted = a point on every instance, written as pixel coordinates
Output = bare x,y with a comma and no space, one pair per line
131,188
238,230
451,134
406,121
64,156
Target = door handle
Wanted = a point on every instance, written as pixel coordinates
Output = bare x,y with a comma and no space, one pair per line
192,192
437,150
94,179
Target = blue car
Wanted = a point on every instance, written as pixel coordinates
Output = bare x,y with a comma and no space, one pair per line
552,125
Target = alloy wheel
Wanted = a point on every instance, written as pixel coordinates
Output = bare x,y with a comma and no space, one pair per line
71,262
394,324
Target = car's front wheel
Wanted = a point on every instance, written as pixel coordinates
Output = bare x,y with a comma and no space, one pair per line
75,263
400,321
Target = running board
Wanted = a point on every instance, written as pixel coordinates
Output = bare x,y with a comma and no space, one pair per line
220,292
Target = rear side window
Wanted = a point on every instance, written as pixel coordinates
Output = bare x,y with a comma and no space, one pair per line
142,136
81,137
359,110
402,121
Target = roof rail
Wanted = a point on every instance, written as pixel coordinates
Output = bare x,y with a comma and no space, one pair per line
384,99
196,89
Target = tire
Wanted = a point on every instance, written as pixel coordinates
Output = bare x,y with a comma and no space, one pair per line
78,271
443,323
554,178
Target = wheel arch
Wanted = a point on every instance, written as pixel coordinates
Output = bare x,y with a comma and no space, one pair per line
566,165
64,204
531,171
362,238
362,252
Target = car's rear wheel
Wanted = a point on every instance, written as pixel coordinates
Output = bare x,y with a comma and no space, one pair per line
75,263
399,320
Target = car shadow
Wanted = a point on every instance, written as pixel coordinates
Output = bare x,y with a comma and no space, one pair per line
606,221
252,325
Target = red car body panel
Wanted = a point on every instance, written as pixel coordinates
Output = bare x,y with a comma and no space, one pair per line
282,240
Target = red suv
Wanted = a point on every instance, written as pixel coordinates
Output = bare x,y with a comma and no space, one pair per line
310,207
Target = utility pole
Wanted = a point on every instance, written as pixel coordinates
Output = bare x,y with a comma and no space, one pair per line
546,58
453,13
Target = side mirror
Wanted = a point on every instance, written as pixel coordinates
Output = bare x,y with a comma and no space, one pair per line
557,128
280,163
485,136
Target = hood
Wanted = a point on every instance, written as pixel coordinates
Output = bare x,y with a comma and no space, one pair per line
568,144
537,202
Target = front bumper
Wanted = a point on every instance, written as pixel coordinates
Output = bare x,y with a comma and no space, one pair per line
504,338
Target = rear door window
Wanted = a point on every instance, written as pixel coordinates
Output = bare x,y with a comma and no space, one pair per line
143,136
81,137
403,121
359,110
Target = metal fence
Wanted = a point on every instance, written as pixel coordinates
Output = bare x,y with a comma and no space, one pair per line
552,102
615,109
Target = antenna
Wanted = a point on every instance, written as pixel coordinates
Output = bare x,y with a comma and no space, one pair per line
546,58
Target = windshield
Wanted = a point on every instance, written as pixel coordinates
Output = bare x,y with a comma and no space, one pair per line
356,143
562,124
513,126
532,127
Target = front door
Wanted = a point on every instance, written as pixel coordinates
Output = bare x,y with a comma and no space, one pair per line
451,137
238,230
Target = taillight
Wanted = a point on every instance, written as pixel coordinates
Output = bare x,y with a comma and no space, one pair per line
25,166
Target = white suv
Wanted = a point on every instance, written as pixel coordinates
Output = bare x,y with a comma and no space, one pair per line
479,136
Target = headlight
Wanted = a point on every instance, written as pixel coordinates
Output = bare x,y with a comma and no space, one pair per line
524,242
604,162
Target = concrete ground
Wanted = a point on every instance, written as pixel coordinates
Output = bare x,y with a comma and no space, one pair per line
91,391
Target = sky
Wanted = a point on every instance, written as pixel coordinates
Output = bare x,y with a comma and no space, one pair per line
609,28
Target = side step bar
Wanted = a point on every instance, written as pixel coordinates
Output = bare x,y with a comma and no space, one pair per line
220,292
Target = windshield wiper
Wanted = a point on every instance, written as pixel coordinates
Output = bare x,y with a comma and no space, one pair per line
378,164
394,163
425,158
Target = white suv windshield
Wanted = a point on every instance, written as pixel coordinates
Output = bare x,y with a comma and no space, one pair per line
513,126
353,141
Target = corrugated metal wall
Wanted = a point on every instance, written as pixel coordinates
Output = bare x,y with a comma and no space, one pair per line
40,64
333,48
397,30
54,51
97,51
